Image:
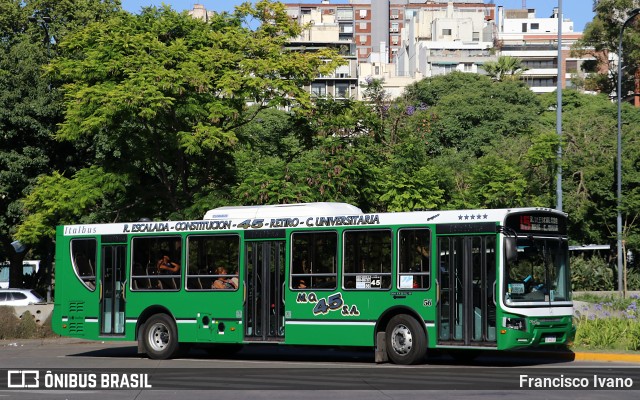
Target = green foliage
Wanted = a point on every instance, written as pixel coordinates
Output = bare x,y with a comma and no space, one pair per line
600,38
60,200
507,68
608,333
497,184
160,98
470,112
609,323
412,191
590,274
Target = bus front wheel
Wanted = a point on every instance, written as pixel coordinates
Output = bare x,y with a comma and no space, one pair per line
406,340
160,337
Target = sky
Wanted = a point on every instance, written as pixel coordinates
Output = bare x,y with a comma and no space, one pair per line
579,11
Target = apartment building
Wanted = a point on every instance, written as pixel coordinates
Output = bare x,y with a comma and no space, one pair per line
381,35
451,37
534,40
403,41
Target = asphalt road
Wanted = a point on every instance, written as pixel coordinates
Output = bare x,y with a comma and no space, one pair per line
76,369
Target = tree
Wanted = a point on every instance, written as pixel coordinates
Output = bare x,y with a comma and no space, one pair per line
157,97
471,112
507,68
30,107
600,39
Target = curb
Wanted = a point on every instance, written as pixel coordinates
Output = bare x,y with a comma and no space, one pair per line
633,358
581,356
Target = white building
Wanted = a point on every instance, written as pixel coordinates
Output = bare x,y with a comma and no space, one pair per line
534,40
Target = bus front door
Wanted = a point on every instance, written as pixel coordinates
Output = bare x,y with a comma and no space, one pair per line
466,280
112,288
264,307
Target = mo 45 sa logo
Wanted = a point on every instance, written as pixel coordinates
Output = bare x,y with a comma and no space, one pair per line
326,305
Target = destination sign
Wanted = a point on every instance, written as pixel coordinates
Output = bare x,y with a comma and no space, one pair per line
226,224
538,223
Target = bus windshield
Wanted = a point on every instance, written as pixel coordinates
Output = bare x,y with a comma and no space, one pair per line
540,273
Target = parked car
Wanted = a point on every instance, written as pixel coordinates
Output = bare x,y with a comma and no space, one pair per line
19,297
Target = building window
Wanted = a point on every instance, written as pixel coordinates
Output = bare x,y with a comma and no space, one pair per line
344,14
476,36
441,69
395,27
446,32
395,39
342,90
395,14
319,89
541,82
524,27
363,13
548,63
363,26
535,26
572,66
468,67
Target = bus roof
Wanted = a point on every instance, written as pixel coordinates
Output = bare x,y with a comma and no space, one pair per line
305,215
321,209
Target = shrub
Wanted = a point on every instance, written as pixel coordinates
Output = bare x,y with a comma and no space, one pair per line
12,327
8,322
26,326
591,274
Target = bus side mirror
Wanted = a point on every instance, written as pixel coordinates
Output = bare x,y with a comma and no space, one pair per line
510,249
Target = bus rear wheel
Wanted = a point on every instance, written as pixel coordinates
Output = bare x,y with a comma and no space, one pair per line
160,337
406,340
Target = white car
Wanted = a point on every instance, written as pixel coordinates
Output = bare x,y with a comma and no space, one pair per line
19,297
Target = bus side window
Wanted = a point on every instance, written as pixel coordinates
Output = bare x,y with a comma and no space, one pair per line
83,255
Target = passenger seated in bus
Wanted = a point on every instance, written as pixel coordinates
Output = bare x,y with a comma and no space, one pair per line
301,284
222,282
165,264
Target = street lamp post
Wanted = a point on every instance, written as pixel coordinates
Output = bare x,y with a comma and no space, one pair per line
559,111
630,18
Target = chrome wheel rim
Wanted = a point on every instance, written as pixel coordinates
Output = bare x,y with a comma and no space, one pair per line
401,339
158,337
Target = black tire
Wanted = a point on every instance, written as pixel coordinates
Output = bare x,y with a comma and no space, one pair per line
406,340
160,337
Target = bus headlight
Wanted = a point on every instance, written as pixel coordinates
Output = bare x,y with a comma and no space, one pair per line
515,323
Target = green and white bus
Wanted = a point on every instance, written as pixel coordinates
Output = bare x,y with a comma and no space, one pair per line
320,274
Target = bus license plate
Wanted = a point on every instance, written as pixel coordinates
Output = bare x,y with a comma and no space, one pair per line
550,339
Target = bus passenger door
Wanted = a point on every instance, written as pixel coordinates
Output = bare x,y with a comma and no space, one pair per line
264,307
113,279
466,278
